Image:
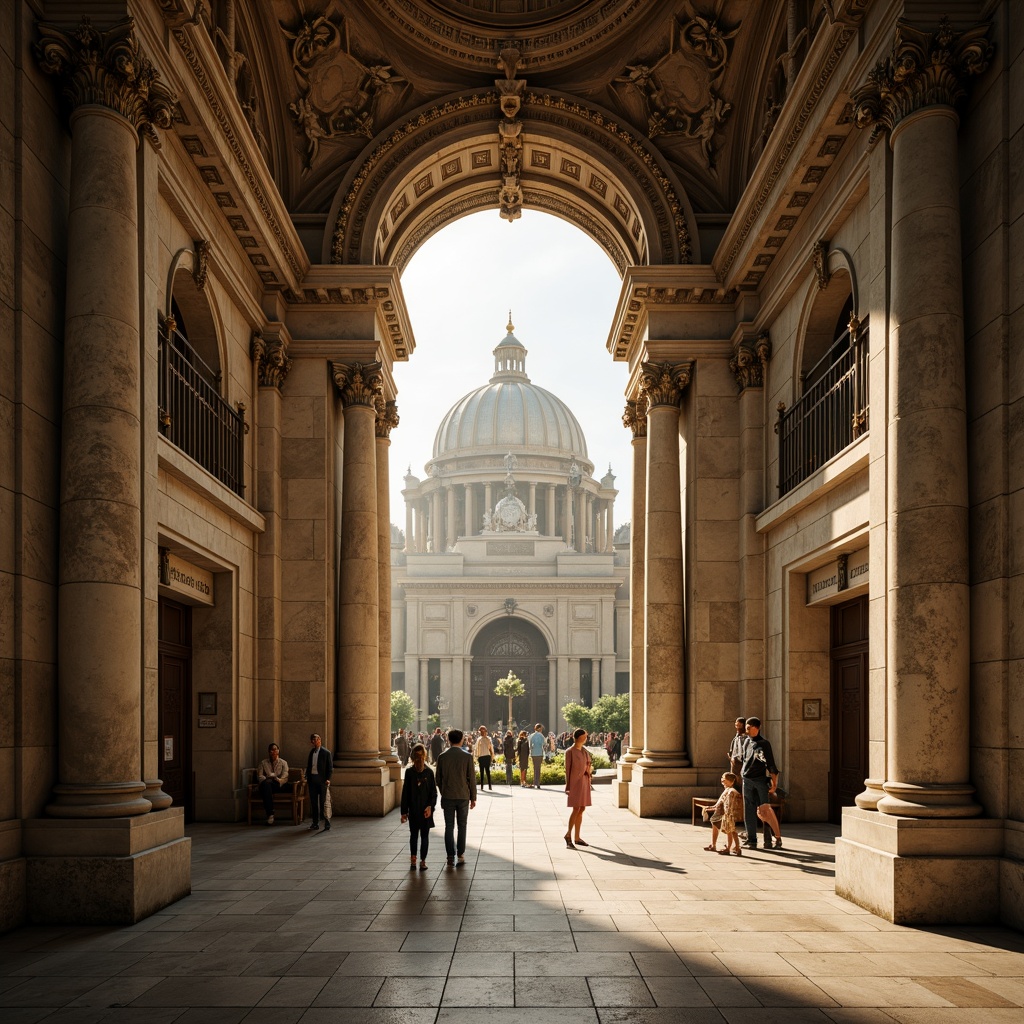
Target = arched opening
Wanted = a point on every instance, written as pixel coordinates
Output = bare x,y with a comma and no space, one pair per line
509,643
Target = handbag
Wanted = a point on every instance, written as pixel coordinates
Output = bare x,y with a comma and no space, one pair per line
328,810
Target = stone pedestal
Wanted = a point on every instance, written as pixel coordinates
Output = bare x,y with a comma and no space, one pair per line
363,792
120,871
662,792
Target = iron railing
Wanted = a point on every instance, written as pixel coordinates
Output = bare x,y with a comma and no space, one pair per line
831,414
193,415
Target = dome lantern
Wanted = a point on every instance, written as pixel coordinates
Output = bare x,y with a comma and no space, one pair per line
510,357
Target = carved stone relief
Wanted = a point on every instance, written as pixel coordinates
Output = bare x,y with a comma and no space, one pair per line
270,354
750,361
678,93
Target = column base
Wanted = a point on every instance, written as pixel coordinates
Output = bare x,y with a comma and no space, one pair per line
663,792
393,766
363,792
107,871
916,871
623,775
909,801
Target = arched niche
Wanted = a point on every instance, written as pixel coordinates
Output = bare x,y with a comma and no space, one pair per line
832,298
578,162
196,323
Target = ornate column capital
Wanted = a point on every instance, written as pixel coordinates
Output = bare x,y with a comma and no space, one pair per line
749,363
109,69
923,69
635,418
664,383
271,358
358,383
387,417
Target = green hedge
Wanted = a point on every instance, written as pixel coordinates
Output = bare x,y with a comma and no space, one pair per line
552,774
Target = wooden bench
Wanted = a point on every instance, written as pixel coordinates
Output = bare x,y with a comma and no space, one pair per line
291,797
778,804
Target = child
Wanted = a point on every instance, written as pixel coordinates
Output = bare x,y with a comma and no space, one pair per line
723,817
419,798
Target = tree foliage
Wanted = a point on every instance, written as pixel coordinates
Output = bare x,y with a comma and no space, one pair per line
511,686
403,711
609,713
579,716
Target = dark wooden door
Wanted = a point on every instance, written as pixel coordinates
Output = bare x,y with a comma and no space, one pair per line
175,698
849,705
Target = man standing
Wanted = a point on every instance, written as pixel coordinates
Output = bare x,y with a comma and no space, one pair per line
537,752
758,765
272,775
402,747
437,745
456,782
319,767
739,741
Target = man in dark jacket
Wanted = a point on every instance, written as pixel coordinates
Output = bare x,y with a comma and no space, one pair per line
760,779
319,767
437,745
456,782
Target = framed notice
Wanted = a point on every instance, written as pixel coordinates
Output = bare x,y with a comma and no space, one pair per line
208,703
812,710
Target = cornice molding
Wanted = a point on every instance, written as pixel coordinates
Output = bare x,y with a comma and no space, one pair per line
923,69
107,68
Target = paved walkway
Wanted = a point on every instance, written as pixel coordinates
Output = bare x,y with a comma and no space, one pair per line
644,927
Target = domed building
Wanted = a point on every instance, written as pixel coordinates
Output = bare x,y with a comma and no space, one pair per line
509,561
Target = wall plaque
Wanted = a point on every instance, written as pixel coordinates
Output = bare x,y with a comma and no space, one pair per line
845,573
510,547
186,580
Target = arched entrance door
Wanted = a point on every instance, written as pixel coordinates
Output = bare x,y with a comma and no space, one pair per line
505,644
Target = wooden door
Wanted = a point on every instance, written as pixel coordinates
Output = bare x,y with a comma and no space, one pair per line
849,705
175,698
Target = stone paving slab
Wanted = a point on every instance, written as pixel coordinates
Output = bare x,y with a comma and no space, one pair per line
642,927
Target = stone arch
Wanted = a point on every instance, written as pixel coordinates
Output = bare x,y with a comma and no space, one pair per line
578,163
826,312
197,323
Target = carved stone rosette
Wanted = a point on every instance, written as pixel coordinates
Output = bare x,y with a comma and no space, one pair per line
664,383
358,383
271,359
750,361
634,418
387,417
108,69
923,69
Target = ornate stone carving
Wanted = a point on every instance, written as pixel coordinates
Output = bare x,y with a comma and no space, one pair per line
922,69
634,418
678,94
819,260
109,69
200,262
750,362
510,143
387,417
664,383
358,383
271,359
339,94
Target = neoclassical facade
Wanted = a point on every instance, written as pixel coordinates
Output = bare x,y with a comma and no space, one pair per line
509,562
814,206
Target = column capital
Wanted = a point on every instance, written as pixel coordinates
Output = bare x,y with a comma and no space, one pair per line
664,383
109,69
270,354
634,417
748,365
387,417
923,69
358,383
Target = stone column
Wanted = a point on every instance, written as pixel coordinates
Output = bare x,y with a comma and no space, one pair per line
580,523
533,498
912,96
470,512
567,515
436,521
635,418
609,525
386,420
550,511
360,772
409,543
488,507
451,531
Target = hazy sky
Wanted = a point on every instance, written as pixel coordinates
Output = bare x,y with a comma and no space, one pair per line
562,290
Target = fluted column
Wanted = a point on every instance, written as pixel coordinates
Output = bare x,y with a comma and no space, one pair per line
635,418
664,711
436,521
470,512
451,530
357,742
114,93
550,511
928,606
385,421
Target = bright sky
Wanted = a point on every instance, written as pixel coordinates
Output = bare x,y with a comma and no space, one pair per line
562,290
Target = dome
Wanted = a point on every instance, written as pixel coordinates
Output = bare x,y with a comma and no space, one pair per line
510,413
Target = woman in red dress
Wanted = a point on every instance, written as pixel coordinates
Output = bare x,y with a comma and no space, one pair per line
578,772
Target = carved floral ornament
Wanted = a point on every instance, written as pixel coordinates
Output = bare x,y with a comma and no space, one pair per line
634,418
271,359
664,383
751,360
108,69
358,383
922,69
387,416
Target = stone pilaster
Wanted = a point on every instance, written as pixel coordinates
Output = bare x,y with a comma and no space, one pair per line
660,773
362,778
911,95
386,421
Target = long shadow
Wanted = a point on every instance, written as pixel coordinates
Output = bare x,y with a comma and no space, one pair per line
627,859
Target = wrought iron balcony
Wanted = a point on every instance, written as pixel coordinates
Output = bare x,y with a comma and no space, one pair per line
831,413
193,415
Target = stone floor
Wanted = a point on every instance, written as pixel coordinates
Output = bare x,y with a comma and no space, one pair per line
644,927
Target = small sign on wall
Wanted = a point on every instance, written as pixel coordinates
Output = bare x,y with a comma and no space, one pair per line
207,723
168,748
